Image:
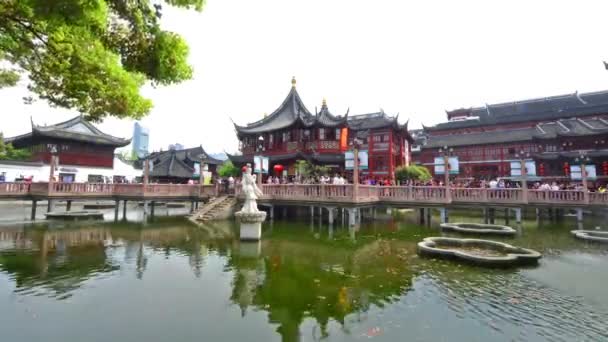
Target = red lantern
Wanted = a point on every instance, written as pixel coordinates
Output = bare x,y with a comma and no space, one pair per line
567,169
278,169
605,167
244,168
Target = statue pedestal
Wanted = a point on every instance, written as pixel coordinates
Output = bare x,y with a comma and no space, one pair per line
251,224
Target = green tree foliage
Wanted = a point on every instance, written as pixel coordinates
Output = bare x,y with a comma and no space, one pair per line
307,169
8,152
412,172
228,169
91,55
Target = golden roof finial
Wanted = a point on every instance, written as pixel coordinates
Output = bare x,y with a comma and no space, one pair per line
265,114
324,102
293,81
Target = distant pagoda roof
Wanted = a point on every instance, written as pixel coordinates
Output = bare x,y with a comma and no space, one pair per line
77,129
538,109
290,112
573,127
194,154
179,163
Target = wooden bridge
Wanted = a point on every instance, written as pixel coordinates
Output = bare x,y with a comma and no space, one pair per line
314,195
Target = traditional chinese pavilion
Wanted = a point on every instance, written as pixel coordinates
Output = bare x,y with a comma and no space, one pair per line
180,166
292,133
551,131
76,142
85,153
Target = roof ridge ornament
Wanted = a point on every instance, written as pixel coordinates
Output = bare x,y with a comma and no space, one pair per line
293,81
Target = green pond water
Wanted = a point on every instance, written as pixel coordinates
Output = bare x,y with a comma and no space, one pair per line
169,280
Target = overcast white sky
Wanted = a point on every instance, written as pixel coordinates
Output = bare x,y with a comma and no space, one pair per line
417,58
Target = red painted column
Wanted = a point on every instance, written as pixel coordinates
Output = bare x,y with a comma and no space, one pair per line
391,165
370,155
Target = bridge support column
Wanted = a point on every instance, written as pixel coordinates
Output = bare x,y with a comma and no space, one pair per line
443,212
312,212
271,212
50,205
517,215
284,212
579,214
343,215
486,216
116,207
492,214
373,213
421,216
428,216
507,216
68,205
34,206
191,207
152,208
330,216
124,209
352,216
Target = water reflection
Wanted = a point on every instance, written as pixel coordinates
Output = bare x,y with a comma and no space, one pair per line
313,281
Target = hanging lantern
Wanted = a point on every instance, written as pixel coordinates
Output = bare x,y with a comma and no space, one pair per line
278,169
244,168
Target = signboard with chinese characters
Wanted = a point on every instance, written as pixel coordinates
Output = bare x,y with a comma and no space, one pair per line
576,172
197,169
453,166
530,168
260,164
349,160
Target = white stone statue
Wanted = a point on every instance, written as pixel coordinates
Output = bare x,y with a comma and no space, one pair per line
250,217
251,192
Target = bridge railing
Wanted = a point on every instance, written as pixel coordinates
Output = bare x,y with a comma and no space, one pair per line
598,198
305,191
103,189
556,197
14,188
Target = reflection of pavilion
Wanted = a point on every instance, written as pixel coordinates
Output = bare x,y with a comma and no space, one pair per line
294,281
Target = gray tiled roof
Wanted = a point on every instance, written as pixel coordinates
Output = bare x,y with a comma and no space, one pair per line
549,108
190,155
171,166
77,128
546,130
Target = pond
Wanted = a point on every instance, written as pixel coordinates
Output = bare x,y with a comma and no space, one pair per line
168,280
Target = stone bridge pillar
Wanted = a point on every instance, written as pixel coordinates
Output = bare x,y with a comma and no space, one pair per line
444,215
518,215
330,215
579,214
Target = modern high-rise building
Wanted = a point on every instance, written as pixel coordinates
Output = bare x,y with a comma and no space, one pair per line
141,137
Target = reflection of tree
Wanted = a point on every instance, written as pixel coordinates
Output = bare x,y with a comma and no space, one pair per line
296,280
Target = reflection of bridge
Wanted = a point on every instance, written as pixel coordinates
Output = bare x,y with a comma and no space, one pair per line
148,193
328,196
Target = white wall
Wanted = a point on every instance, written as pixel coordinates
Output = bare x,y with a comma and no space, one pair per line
41,172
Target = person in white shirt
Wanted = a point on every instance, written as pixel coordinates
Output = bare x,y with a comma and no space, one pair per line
493,184
269,180
336,180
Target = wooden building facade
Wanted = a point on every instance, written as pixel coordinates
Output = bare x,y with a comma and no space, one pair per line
551,131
